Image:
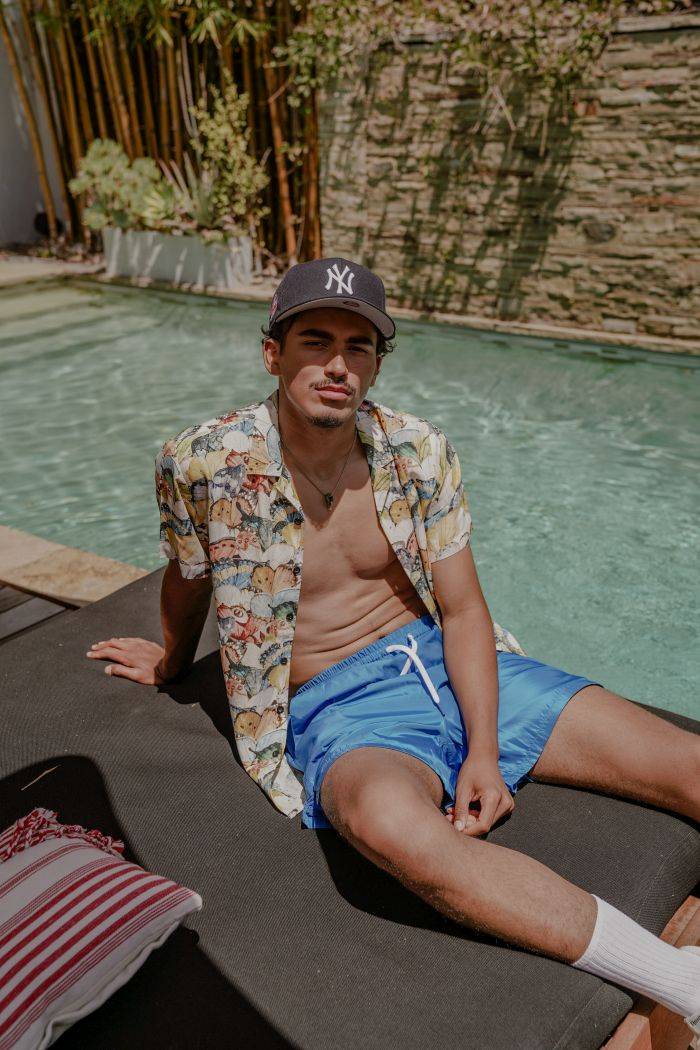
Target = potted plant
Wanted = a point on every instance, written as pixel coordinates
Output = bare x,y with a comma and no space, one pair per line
186,226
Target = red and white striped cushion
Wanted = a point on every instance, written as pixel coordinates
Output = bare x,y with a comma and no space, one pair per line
76,921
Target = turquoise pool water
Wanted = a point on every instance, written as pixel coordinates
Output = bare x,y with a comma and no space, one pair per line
581,465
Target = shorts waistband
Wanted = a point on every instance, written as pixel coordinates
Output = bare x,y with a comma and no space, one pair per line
375,651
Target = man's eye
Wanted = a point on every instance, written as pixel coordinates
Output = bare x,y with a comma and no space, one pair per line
359,349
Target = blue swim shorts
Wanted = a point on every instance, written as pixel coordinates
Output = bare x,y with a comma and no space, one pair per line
388,697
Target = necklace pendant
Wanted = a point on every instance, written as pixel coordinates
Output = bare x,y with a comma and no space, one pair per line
328,497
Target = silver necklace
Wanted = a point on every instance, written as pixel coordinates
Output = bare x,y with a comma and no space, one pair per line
327,496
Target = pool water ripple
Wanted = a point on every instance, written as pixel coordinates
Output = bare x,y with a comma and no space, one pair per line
580,464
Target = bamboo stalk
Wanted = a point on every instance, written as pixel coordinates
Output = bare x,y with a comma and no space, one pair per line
71,133
163,126
121,129
195,66
75,140
278,142
295,125
145,88
279,29
185,87
39,74
68,152
107,80
313,196
83,106
95,85
56,125
271,223
173,99
31,124
250,92
204,74
130,92
121,108
225,62
118,131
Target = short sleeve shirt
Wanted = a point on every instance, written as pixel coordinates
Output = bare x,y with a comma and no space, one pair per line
229,510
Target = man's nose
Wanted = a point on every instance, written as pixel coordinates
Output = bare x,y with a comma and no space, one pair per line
336,366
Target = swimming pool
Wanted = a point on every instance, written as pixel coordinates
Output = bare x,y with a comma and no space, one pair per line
581,465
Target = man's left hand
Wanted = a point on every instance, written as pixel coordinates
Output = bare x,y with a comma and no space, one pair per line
481,798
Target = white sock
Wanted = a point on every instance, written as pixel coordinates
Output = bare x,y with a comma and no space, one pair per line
624,952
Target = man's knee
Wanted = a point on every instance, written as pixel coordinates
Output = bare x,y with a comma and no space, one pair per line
394,824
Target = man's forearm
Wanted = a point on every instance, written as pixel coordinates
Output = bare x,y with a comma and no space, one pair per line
184,606
472,665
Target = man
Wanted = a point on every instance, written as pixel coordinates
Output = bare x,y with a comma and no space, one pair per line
400,715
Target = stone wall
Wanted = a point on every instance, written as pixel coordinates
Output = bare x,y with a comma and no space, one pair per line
593,223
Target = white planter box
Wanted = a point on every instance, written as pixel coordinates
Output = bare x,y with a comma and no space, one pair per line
186,260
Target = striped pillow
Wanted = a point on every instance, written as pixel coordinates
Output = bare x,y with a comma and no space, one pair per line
76,922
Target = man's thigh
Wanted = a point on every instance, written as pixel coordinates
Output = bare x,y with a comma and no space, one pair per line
386,804
605,742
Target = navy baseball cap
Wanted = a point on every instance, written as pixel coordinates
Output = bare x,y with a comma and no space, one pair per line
332,282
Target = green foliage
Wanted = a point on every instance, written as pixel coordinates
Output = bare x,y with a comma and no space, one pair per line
116,188
182,201
202,20
554,43
222,193
216,197
235,178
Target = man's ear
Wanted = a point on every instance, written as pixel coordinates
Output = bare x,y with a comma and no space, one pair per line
271,349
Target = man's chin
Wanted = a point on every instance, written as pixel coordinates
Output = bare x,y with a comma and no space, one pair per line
330,417
335,419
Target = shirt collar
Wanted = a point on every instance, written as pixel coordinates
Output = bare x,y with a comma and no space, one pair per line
269,459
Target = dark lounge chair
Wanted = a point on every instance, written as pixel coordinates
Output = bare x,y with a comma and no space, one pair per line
301,942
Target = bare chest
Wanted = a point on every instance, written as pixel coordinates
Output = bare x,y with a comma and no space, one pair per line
348,540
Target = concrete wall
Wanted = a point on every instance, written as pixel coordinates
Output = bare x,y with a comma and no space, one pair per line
601,232
20,198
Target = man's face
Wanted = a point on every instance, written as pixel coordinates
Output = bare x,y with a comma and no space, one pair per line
328,363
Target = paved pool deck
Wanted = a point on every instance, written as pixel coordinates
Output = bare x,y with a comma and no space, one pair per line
19,269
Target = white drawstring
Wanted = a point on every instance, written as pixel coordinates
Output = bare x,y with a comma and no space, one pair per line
413,657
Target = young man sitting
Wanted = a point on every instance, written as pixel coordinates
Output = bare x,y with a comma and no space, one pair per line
368,686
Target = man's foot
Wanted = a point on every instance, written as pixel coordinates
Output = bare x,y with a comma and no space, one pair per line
693,1021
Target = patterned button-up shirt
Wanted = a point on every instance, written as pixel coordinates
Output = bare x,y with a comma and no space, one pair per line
229,510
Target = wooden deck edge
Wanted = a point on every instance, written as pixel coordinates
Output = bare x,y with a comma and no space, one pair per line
649,1026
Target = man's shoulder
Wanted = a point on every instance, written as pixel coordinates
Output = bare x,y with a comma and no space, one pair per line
220,434
406,429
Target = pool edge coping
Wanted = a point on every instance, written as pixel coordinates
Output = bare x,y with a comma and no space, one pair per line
262,292
477,322
58,572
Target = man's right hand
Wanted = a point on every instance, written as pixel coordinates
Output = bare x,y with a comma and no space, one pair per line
134,658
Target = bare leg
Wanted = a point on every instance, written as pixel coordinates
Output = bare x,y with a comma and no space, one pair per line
387,805
604,742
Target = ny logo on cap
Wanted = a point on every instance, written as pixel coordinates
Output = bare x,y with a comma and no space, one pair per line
334,274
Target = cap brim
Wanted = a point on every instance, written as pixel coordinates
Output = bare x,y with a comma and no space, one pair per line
356,306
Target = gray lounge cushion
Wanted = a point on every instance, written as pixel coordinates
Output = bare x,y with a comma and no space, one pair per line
301,942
